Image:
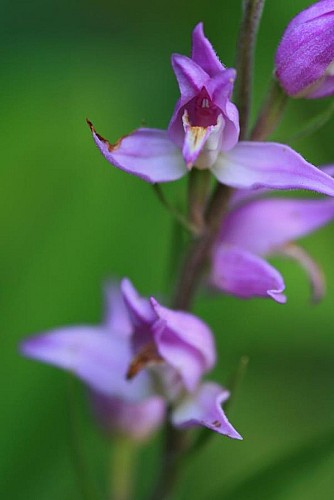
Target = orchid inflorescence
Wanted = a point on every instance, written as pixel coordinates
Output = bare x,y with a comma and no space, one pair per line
145,363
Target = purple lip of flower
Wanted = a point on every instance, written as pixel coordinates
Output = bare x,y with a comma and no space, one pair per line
174,346
257,228
305,55
203,132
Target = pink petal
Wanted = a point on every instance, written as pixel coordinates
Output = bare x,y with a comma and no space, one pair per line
146,153
204,408
190,76
268,164
184,342
117,317
203,53
263,226
134,420
245,275
95,355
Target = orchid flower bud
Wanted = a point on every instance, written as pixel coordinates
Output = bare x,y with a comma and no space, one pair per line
305,56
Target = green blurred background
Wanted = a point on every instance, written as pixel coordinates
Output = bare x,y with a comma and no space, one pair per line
69,221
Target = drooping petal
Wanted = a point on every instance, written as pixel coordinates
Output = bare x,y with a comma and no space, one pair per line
117,318
314,272
243,274
93,354
252,165
262,226
203,53
205,408
134,420
201,144
184,342
307,50
190,76
146,153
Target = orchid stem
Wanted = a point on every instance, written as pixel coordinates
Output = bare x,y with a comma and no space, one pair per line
173,211
252,12
270,113
122,469
175,445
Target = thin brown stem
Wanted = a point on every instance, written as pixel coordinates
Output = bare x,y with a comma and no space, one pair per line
252,12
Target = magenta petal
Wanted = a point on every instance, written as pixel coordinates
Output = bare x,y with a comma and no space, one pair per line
245,275
263,226
203,53
134,420
95,355
146,153
306,50
190,76
184,342
272,165
140,309
117,317
204,408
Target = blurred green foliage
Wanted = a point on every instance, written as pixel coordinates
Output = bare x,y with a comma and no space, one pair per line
69,221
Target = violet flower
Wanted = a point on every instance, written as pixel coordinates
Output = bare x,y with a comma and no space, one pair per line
203,133
305,56
143,358
257,228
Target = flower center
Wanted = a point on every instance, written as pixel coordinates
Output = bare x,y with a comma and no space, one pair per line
201,110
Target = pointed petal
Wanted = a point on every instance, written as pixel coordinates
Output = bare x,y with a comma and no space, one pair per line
94,355
272,165
243,274
203,53
262,226
184,342
117,317
314,272
190,76
146,153
325,88
141,312
204,408
134,420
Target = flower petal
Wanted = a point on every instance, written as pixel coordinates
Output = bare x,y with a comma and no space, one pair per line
146,153
94,355
306,49
204,408
190,76
141,312
241,273
314,272
117,317
184,342
268,164
262,226
203,53
135,420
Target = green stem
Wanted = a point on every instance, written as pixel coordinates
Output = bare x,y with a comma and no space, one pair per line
270,113
173,211
122,469
252,12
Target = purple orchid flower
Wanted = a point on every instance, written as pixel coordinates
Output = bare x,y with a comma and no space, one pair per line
256,228
203,133
141,359
305,55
